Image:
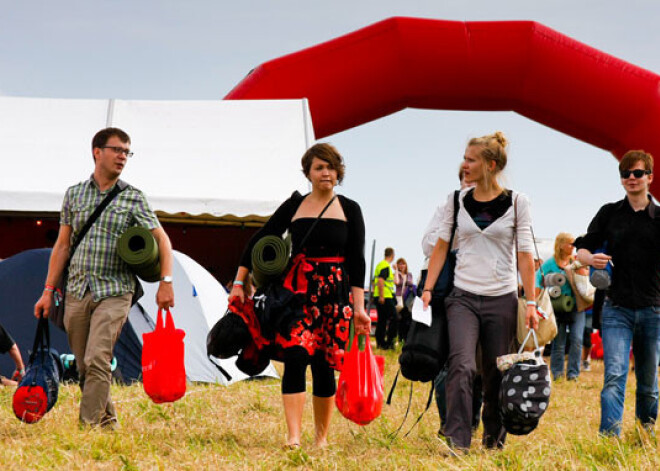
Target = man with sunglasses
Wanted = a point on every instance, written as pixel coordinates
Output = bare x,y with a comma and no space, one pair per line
629,230
100,285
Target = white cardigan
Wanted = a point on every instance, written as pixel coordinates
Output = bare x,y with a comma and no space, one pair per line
486,263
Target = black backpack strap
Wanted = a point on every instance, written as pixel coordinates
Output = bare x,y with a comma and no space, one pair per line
224,372
394,434
389,396
428,405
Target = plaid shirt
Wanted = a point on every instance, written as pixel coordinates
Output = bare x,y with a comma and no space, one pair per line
95,265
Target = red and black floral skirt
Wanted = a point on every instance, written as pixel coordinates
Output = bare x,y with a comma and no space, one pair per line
322,323
327,312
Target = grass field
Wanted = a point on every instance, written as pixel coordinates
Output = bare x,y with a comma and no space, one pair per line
242,427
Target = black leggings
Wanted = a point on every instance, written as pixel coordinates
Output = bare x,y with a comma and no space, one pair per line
295,368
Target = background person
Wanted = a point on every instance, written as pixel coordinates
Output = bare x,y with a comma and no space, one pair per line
631,312
8,345
384,293
482,307
578,277
405,287
334,295
568,323
100,285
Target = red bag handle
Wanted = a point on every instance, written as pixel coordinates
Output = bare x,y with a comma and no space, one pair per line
169,323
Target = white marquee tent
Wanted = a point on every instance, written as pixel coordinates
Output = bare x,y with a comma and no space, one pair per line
235,160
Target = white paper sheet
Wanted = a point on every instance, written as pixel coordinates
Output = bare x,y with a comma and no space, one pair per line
419,314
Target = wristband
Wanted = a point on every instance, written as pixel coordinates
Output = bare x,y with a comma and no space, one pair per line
238,283
49,288
429,290
531,303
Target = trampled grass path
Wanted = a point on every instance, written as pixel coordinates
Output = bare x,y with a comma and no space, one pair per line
242,427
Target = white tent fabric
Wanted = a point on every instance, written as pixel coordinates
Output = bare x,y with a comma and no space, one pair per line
199,302
219,158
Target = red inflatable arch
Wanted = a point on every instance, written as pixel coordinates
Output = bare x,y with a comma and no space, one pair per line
519,66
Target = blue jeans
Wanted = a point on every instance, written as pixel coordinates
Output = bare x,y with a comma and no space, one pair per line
620,327
576,332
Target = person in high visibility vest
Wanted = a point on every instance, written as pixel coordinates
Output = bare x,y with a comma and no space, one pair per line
385,296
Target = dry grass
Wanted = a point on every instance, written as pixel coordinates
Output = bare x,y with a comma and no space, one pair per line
242,427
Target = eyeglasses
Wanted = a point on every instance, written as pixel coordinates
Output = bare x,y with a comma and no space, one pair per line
637,173
119,150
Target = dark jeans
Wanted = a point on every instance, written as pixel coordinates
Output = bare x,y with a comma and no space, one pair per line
490,321
386,328
440,383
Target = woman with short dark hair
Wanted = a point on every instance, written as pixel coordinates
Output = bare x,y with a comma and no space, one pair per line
333,268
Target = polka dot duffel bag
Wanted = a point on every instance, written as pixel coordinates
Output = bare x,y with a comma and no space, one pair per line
525,391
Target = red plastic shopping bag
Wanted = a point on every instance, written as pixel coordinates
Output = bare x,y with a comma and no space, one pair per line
163,369
360,388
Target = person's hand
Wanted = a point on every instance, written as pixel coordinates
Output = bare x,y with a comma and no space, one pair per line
381,300
44,305
426,298
18,375
361,321
165,296
237,290
532,318
600,260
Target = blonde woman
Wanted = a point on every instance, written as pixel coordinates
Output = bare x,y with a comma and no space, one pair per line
482,307
568,323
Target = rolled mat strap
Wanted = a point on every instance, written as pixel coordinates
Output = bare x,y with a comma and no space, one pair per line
139,249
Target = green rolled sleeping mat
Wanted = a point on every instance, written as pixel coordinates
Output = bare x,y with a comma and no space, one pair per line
138,248
270,257
563,304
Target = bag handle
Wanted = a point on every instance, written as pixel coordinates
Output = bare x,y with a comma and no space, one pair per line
166,323
537,349
41,339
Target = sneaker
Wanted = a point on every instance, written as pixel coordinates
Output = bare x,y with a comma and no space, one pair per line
586,365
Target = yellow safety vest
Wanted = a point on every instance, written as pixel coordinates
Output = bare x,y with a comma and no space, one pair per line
388,291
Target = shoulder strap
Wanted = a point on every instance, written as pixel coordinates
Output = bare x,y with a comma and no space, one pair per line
95,215
454,224
515,238
304,239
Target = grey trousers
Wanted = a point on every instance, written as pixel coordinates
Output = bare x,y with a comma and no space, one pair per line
472,319
93,328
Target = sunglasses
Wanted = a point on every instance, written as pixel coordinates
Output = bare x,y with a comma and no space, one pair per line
637,173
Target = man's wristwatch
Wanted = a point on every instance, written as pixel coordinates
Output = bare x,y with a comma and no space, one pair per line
166,279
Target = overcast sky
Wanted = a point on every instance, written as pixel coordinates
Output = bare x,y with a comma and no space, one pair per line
398,168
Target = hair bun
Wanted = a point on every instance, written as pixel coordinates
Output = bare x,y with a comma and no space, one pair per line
499,137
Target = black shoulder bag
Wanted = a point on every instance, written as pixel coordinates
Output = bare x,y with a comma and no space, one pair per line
427,347
56,313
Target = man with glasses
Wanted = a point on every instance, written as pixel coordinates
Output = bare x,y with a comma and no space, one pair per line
629,232
100,285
